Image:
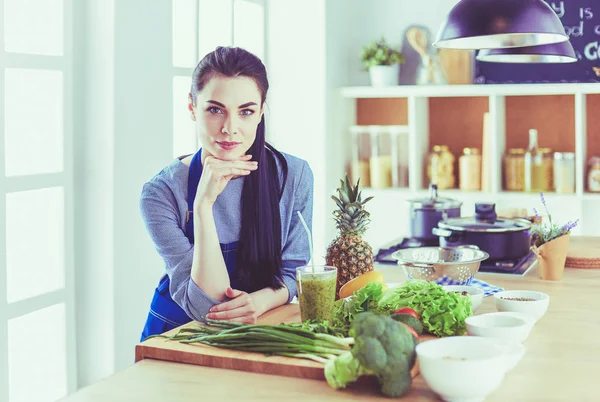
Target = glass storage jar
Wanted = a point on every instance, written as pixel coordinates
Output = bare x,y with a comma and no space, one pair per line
440,167
564,172
514,169
594,174
381,157
469,170
361,154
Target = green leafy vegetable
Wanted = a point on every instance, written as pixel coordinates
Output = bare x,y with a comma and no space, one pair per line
442,313
318,326
364,299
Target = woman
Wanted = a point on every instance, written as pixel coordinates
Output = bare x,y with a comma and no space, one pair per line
225,219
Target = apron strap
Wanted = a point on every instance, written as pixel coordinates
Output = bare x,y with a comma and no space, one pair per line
193,180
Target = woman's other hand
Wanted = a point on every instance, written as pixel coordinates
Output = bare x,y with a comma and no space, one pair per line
240,309
216,173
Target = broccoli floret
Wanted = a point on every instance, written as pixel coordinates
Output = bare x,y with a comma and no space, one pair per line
382,347
343,370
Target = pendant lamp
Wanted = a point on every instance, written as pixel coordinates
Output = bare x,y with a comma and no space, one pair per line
562,52
496,24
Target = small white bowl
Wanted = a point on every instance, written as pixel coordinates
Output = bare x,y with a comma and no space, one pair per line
505,325
475,293
463,368
514,351
535,308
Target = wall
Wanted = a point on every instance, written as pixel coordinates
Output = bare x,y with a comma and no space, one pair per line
123,137
388,18
296,100
94,181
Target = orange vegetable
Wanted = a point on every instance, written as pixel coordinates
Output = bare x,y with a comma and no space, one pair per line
360,282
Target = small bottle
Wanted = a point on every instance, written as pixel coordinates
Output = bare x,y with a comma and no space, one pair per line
535,171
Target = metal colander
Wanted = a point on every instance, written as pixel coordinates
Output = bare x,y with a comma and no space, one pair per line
449,265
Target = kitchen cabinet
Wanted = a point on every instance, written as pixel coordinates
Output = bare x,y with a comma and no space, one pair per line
567,117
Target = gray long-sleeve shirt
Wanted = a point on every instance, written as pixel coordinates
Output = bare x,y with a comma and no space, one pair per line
163,205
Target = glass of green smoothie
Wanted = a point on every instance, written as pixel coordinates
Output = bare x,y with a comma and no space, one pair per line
316,291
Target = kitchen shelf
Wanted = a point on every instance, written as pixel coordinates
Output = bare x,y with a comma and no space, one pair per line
566,116
453,91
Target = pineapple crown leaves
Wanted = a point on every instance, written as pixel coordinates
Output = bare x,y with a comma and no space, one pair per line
351,217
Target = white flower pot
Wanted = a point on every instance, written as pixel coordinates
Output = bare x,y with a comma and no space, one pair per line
384,76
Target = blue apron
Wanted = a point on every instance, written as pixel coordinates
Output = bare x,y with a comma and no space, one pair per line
164,313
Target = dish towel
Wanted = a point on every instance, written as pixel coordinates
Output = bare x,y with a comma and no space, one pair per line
488,289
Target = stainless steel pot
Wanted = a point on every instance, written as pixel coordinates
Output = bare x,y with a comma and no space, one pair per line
502,239
425,213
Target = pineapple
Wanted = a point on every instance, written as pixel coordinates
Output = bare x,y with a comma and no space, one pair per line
349,252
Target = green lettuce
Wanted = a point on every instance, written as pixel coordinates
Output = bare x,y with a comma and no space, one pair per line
442,313
364,299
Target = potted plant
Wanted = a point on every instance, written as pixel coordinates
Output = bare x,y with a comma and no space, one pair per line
550,244
382,62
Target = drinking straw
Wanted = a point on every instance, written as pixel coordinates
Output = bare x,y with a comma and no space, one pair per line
310,241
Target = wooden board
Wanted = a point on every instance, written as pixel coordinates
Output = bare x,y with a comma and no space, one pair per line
584,252
202,355
458,66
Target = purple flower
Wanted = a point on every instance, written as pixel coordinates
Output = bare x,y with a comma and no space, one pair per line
537,216
542,197
567,227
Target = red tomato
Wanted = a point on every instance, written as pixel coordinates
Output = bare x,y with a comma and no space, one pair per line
412,331
408,311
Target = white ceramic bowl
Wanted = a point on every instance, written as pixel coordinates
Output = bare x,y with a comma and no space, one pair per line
463,368
504,325
514,351
505,301
475,293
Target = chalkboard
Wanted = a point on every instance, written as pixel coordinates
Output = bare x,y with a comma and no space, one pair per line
581,19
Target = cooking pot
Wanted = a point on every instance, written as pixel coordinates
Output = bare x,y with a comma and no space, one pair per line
502,239
425,213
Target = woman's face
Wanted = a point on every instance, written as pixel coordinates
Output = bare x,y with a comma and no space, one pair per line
227,112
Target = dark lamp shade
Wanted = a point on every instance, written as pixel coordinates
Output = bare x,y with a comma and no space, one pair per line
497,24
562,52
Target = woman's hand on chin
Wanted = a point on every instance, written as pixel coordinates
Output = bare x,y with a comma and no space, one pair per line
240,309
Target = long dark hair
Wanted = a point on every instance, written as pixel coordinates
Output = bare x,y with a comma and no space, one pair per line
259,255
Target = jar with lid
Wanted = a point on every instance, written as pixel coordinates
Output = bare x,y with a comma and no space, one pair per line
361,153
440,167
564,172
514,169
399,156
594,175
469,169
381,158
548,164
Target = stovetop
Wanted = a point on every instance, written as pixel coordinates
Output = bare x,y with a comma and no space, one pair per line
511,267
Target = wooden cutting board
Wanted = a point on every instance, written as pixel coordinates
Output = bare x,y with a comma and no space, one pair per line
202,355
458,65
584,252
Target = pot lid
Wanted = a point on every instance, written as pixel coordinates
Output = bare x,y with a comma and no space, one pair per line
473,225
434,202
485,220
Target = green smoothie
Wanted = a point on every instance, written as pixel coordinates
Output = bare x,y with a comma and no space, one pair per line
316,293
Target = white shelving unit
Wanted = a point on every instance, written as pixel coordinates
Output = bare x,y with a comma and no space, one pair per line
564,207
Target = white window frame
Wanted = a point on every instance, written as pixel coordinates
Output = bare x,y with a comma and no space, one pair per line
63,179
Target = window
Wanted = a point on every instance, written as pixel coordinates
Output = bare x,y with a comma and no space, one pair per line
199,26
36,186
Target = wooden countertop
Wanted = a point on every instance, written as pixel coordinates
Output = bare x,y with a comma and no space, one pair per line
561,362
